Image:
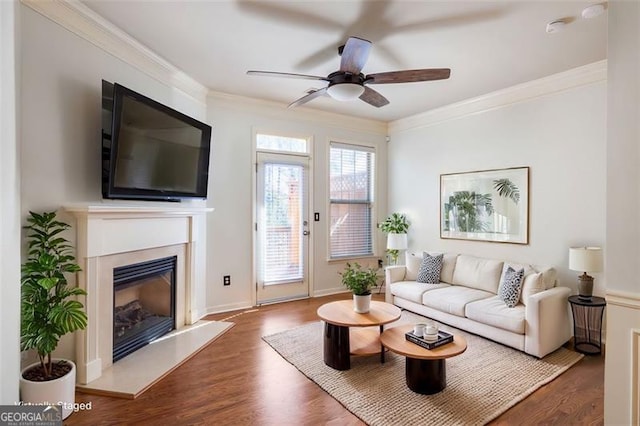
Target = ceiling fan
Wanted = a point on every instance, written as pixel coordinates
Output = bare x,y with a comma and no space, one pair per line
349,83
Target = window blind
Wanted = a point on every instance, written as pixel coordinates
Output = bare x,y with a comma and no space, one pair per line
351,189
282,209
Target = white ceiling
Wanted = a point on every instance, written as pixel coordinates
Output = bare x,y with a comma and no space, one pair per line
489,45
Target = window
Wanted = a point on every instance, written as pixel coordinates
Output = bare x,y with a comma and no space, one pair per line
281,143
351,186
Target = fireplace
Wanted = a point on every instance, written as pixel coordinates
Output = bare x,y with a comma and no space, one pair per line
143,304
111,236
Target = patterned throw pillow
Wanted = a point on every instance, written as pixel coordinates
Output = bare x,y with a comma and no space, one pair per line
509,290
430,268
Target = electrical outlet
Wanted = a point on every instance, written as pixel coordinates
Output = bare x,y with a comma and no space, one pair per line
226,280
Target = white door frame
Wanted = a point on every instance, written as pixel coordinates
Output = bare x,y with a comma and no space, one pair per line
310,227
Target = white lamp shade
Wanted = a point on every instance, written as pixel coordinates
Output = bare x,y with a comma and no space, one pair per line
396,242
585,259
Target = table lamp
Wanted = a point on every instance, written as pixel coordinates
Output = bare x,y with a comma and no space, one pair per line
395,243
585,259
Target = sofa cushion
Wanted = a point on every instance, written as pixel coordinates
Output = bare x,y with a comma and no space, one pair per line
492,311
548,276
548,273
531,284
478,273
528,269
430,268
412,290
412,265
453,299
414,260
448,266
510,286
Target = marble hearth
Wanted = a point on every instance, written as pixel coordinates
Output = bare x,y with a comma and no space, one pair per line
110,236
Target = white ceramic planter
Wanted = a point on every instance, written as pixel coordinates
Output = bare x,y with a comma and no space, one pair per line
62,390
361,304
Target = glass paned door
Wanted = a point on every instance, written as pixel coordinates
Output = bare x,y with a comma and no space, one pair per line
282,227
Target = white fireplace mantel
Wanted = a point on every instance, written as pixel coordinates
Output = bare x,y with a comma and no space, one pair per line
110,235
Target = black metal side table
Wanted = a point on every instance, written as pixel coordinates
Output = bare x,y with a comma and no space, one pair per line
587,323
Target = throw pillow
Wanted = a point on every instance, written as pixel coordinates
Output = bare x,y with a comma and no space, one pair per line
531,284
429,272
412,263
510,286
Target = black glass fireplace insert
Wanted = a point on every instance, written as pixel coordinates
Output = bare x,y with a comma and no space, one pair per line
143,304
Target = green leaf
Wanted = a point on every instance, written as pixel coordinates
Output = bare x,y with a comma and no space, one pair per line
46,311
506,188
396,223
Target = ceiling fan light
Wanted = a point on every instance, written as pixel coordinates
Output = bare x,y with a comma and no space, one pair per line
345,91
593,11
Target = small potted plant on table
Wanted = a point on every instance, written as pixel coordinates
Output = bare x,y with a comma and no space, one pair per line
49,311
360,281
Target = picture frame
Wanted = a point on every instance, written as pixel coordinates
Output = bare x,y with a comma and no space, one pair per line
486,205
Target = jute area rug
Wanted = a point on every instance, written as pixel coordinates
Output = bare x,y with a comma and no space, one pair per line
482,383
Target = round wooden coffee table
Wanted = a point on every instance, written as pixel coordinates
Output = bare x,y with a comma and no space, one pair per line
340,343
425,369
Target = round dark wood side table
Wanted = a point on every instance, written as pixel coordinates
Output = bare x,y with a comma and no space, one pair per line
425,370
347,332
587,323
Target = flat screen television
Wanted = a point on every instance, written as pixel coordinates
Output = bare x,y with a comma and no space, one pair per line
151,151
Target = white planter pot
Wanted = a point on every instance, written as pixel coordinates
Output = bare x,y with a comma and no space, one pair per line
361,304
58,391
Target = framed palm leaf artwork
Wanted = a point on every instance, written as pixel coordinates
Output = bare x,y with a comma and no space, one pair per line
486,205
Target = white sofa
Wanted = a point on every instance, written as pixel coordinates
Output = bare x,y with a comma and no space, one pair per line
467,298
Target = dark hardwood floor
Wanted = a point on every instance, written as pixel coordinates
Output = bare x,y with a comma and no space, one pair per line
240,380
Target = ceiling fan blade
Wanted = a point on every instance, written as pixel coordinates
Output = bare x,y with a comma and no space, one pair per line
286,74
354,55
374,98
408,76
308,97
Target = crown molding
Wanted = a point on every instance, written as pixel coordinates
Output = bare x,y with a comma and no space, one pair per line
82,21
280,111
587,74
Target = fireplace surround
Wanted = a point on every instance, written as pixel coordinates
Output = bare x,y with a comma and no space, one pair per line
110,236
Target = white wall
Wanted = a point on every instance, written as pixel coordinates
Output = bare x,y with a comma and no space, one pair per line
9,205
622,366
230,226
61,116
560,136
64,59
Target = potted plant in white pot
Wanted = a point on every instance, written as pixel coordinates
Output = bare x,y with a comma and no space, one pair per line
396,227
360,281
49,310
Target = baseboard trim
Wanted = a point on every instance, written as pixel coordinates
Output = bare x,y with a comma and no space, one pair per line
635,376
329,292
228,308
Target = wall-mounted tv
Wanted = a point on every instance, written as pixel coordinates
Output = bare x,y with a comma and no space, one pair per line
151,151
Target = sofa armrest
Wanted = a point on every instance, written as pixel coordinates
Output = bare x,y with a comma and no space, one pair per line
392,274
547,321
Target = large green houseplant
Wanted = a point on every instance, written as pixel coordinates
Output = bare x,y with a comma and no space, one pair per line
49,309
395,225
360,281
